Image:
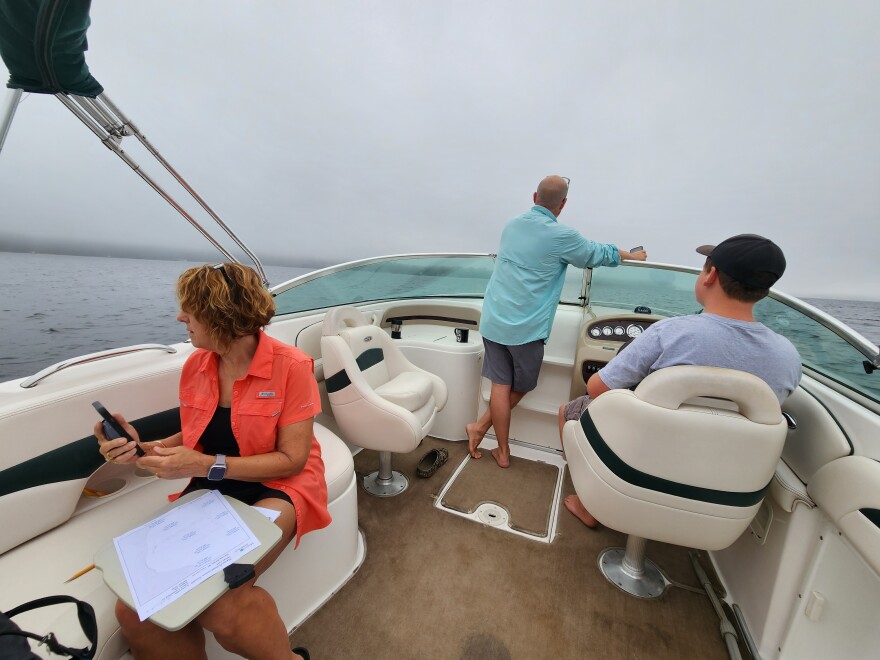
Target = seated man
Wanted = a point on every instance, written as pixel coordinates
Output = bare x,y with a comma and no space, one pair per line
738,273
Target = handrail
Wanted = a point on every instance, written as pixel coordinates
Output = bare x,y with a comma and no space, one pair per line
92,357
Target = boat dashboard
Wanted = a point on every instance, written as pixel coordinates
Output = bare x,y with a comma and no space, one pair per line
601,336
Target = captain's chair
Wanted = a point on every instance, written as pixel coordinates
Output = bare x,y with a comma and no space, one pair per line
380,400
666,463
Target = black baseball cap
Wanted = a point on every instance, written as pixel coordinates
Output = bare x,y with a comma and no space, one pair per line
747,258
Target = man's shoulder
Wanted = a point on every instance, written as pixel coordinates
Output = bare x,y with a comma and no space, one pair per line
677,323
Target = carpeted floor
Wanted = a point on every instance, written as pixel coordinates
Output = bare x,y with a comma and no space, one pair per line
435,585
525,490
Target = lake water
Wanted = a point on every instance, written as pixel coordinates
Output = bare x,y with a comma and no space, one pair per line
56,307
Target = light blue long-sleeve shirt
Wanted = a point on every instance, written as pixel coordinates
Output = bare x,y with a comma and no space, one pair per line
523,292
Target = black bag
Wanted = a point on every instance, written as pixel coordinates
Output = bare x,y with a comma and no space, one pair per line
13,640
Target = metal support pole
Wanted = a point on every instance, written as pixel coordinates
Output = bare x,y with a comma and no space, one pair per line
13,98
129,126
385,482
631,571
110,125
384,466
634,560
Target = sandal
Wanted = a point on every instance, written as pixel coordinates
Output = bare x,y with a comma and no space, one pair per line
431,462
302,651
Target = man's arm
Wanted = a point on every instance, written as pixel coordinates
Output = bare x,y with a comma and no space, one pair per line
596,386
640,255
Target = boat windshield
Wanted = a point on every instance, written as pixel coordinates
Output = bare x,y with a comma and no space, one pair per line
387,278
390,278
826,345
821,348
664,290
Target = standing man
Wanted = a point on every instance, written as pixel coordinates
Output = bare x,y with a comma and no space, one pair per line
521,301
737,273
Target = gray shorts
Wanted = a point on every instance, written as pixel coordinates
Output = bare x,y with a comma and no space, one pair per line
574,409
517,366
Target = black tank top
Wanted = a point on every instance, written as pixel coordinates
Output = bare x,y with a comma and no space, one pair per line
217,438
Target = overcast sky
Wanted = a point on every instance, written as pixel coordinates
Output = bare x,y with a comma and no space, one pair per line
330,131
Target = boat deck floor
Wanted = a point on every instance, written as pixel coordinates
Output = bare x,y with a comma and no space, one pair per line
436,585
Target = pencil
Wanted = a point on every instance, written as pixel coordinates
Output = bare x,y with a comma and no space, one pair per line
79,574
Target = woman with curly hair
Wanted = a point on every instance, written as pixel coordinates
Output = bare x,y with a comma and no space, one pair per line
247,408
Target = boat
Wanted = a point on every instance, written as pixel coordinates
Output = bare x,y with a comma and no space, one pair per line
800,582
443,569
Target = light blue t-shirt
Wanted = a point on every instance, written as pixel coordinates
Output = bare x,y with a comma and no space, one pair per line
708,340
523,292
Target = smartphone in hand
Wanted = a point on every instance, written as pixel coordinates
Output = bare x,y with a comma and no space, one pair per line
113,429
638,248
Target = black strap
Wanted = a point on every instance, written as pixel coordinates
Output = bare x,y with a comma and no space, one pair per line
84,612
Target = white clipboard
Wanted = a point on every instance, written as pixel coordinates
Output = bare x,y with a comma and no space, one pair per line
187,607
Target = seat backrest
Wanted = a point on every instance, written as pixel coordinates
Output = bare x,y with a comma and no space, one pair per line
668,428
375,352
363,340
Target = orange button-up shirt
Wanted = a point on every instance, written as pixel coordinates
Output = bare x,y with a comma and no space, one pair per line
278,389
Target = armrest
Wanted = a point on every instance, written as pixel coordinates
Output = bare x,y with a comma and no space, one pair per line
848,490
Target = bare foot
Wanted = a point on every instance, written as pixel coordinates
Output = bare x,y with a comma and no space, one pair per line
502,460
574,505
474,439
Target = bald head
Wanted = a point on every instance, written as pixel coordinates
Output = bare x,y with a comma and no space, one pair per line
551,193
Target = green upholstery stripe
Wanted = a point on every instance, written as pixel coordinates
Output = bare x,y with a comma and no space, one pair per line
643,480
871,514
370,358
336,382
78,459
367,359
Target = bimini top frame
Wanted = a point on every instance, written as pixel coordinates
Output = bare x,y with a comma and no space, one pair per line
43,44
110,125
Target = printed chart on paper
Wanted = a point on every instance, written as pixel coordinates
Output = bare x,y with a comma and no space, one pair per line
168,556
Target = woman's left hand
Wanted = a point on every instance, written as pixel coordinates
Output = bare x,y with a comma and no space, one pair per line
176,462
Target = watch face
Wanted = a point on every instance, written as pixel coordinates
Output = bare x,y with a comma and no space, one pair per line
218,470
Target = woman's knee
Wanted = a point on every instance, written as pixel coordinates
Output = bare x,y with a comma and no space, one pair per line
224,615
127,617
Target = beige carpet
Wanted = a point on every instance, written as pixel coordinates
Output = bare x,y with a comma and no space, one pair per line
436,586
525,490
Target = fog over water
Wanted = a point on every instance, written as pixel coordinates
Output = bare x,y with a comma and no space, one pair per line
328,132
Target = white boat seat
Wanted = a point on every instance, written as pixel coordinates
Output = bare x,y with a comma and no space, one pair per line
379,399
338,464
39,566
848,491
656,465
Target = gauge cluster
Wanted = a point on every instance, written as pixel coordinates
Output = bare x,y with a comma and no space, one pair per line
616,329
